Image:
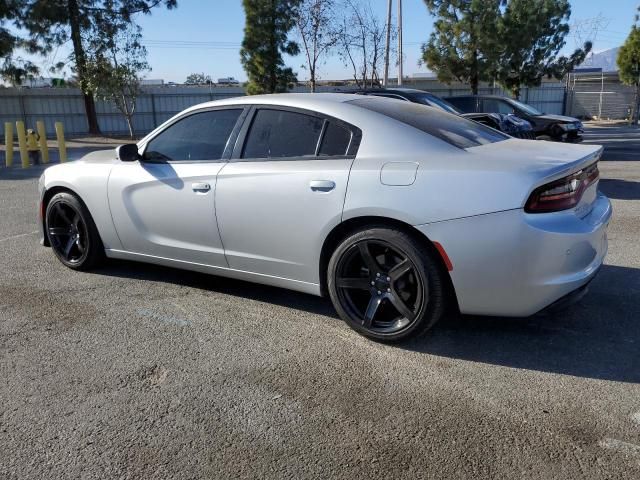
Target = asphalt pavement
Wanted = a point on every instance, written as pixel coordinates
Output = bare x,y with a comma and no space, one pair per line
622,142
136,371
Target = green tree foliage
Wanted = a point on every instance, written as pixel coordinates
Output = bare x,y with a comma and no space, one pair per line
52,23
629,65
267,25
532,33
198,79
516,42
115,61
464,44
12,68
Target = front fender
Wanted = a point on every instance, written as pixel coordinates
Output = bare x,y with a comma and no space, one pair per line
89,183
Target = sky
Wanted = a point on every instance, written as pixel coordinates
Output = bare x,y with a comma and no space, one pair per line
205,36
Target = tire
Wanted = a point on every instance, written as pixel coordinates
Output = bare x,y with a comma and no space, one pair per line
395,291
71,232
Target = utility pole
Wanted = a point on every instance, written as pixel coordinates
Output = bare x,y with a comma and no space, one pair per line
385,78
399,42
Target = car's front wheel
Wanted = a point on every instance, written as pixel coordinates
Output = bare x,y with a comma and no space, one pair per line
72,233
385,284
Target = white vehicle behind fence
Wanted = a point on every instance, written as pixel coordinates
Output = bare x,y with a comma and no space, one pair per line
228,81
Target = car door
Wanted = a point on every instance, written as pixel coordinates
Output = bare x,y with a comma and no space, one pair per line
164,204
284,190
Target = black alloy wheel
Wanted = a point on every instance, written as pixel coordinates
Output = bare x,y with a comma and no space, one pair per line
72,233
385,285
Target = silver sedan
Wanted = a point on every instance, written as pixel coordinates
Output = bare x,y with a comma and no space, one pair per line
394,210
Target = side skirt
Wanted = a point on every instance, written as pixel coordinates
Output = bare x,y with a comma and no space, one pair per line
297,285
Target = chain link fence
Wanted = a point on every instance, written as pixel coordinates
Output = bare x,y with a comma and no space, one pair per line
599,96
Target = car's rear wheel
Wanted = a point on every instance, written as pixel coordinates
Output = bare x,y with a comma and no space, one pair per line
385,284
72,233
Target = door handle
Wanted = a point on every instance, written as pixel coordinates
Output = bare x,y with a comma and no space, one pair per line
322,185
200,187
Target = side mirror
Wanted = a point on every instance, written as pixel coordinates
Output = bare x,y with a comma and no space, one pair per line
128,152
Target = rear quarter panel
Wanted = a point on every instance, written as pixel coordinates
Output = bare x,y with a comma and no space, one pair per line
453,183
449,182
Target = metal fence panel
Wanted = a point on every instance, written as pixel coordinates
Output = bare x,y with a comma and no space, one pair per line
157,104
11,109
549,99
599,96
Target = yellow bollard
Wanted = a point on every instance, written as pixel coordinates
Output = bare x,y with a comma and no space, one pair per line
22,142
44,149
62,147
8,141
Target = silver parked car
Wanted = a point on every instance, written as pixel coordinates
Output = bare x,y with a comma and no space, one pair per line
393,209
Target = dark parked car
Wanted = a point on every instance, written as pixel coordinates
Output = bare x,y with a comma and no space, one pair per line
546,126
509,124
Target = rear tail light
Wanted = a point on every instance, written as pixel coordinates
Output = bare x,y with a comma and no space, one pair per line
562,194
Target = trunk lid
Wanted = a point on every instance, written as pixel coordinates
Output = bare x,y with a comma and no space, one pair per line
540,162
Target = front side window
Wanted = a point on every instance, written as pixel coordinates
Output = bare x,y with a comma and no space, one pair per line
453,129
201,136
280,133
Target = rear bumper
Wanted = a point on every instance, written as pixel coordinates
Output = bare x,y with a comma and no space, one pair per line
570,298
515,264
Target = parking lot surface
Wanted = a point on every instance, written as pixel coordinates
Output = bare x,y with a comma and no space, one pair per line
136,371
622,142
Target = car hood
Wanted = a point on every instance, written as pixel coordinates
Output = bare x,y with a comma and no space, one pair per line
94,159
556,118
100,156
539,160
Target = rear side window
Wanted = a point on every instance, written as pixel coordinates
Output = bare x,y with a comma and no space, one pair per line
201,136
453,129
335,141
465,104
279,133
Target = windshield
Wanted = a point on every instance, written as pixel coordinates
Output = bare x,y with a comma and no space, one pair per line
527,108
433,101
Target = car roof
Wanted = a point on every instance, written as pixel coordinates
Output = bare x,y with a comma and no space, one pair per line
301,100
481,96
399,91
394,89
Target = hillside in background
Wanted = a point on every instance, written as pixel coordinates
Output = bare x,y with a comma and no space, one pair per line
605,60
